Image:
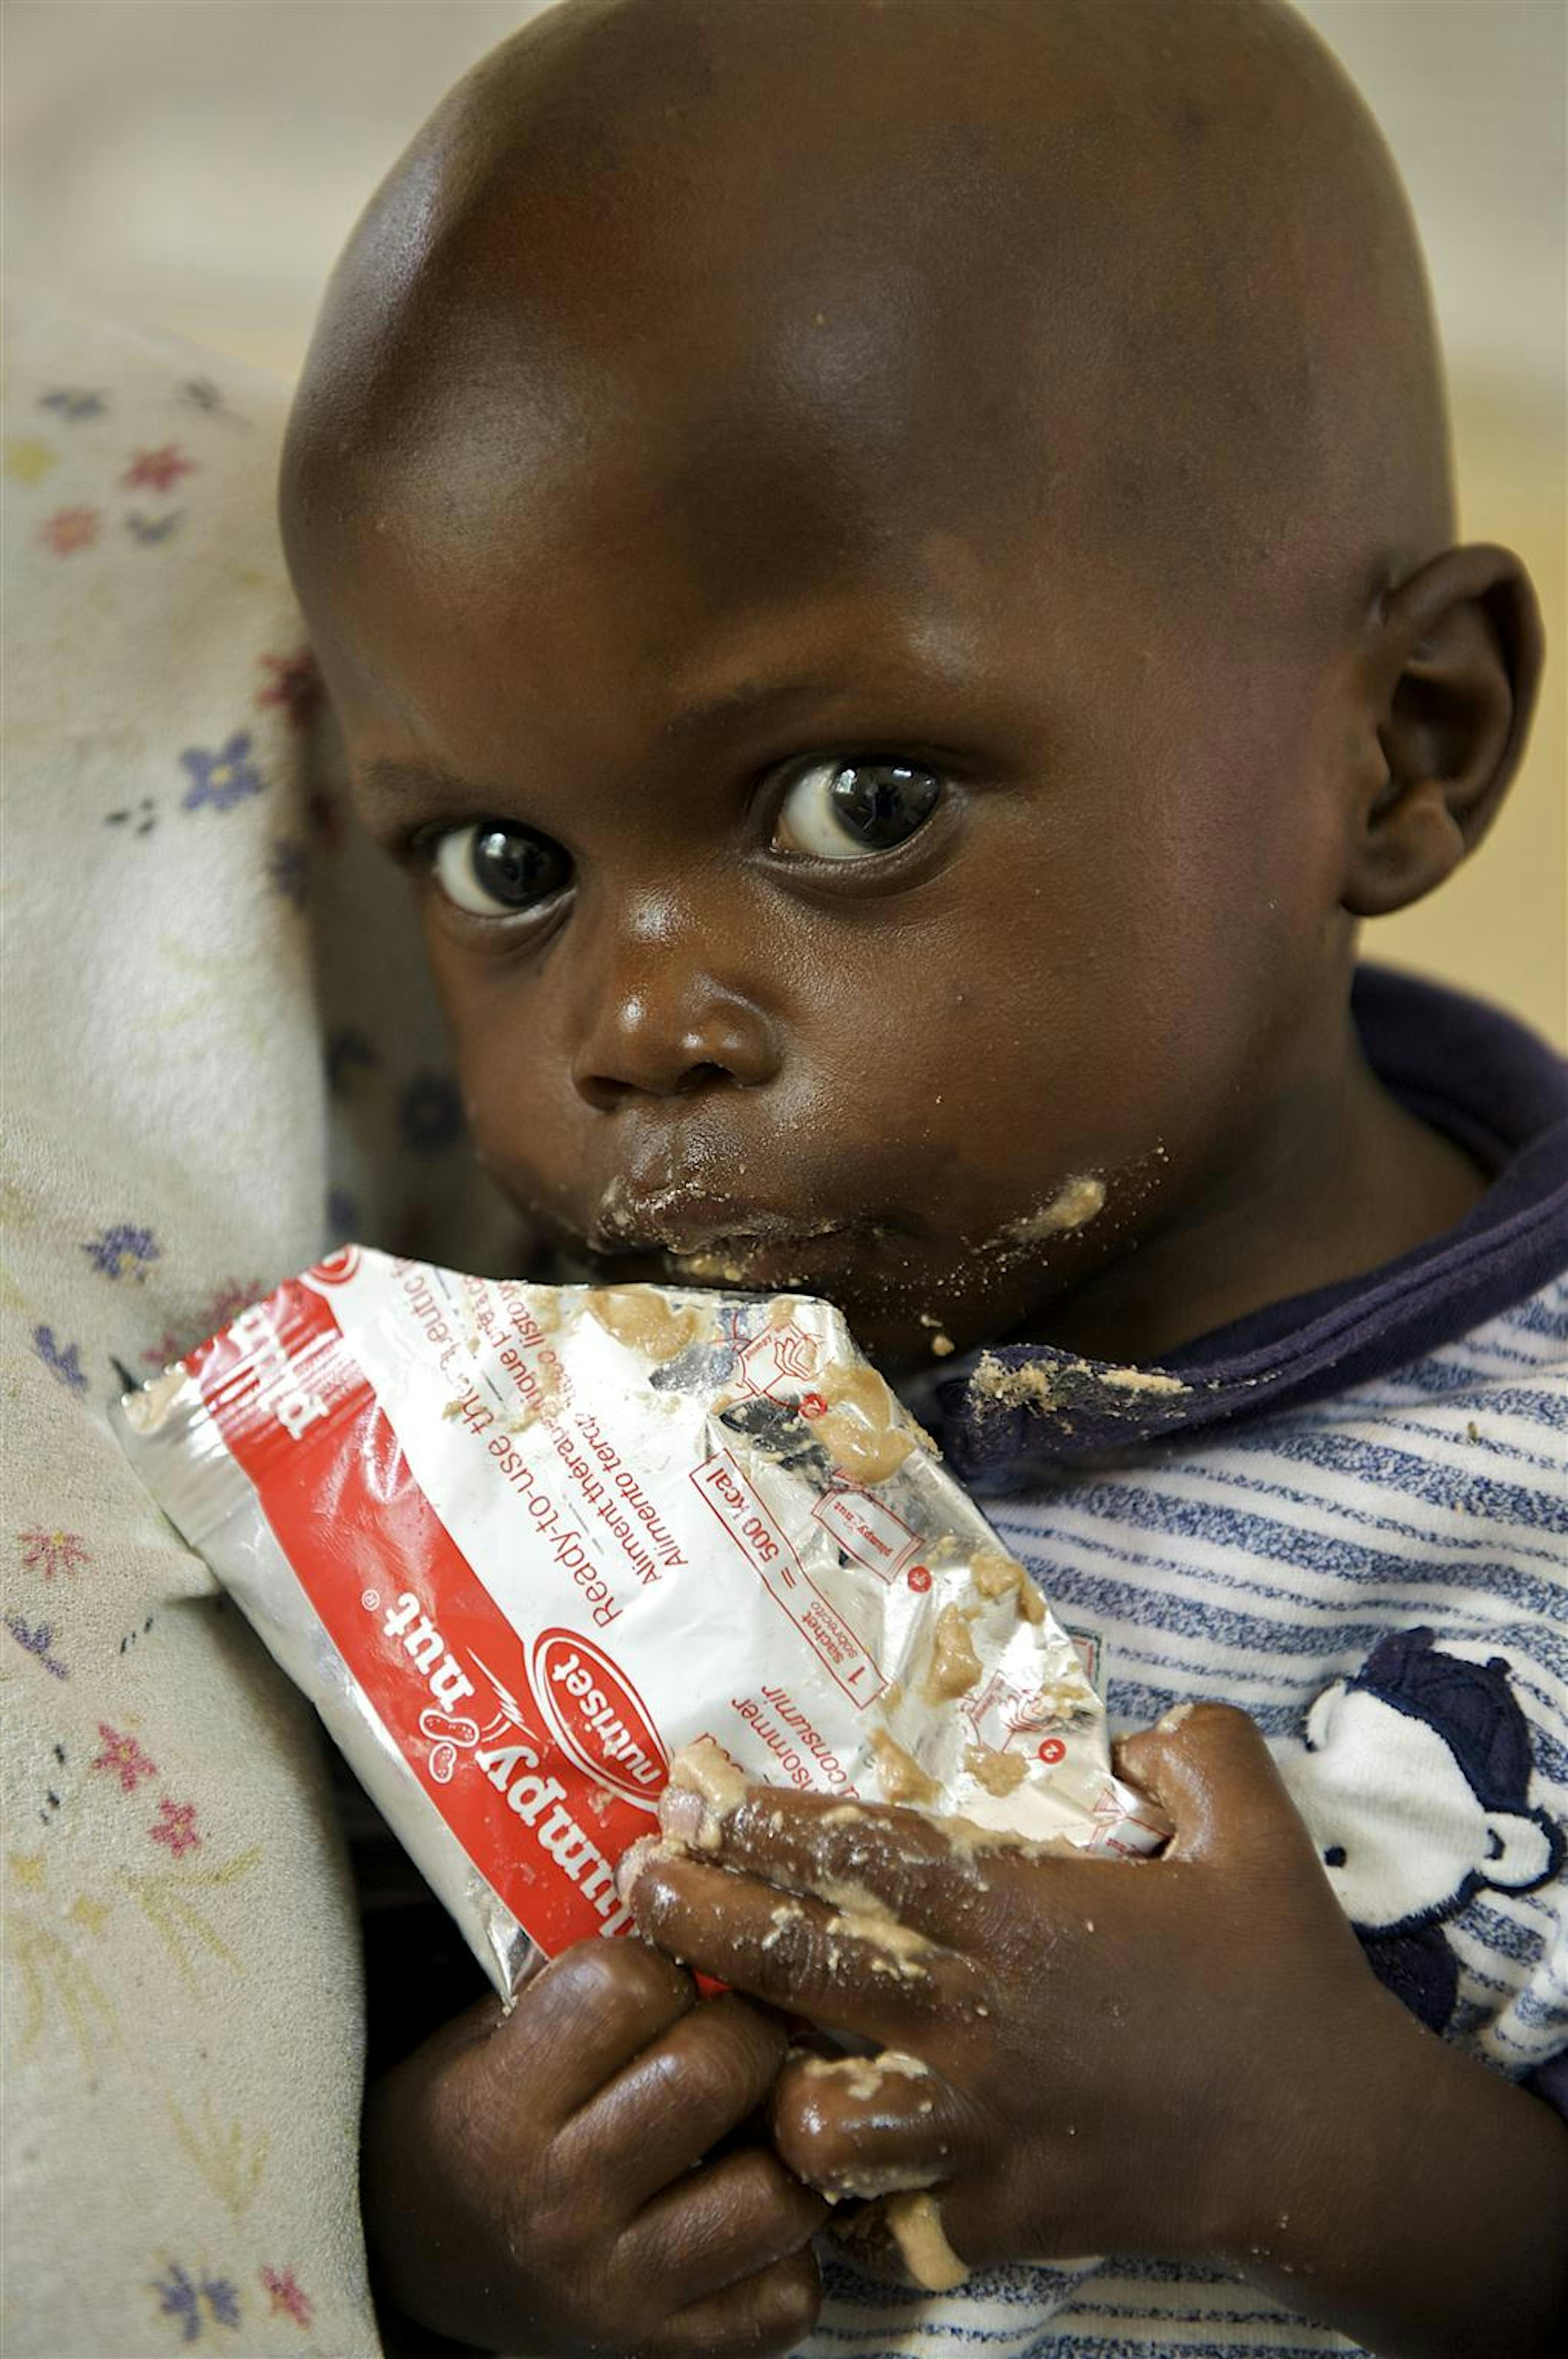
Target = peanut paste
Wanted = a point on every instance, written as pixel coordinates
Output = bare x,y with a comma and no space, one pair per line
860,1917
889,1948
863,1917
999,1773
867,2181
996,1575
864,1431
955,1665
1069,1698
914,2222
640,1317
1063,1384
1074,1206
899,1773
705,1768
862,2076
713,1269
787,1913
546,1406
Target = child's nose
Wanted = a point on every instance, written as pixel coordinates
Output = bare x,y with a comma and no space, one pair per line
659,1022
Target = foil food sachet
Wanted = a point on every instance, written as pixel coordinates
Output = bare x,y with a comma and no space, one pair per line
519,1544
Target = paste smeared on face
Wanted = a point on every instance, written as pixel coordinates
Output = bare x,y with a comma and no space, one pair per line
715,1269
1074,1206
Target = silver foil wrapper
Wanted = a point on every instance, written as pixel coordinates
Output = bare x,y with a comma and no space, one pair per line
520,1544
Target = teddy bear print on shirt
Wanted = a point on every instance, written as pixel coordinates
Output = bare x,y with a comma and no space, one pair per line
1413,1779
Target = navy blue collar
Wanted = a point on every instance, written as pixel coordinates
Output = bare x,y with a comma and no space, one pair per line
1462,1067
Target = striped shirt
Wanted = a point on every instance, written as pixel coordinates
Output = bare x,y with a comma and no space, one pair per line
1382,1565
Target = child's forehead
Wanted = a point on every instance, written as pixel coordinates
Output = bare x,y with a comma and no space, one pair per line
973,263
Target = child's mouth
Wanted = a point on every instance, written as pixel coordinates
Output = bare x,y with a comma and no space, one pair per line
805,1261
678,1236
681,1221
743,1258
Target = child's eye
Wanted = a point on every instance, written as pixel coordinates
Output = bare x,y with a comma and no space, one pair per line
845,810
493,869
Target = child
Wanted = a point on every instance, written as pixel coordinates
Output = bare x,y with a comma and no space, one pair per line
887,567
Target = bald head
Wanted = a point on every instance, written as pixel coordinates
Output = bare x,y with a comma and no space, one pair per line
1140,276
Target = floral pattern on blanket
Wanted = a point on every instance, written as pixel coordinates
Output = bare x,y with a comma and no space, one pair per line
218,1056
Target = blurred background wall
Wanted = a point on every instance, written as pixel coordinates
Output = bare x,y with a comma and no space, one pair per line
195,165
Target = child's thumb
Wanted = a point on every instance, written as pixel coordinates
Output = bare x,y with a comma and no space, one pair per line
1208,1767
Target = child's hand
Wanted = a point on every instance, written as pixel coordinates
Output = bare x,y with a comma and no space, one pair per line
536,2182
1186,2057
1106,2040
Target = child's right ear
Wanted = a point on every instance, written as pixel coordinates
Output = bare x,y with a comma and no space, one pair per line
1455,670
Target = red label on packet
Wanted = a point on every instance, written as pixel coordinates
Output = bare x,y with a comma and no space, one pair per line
542,1794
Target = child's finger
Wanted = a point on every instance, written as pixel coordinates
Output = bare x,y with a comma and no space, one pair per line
821,1844
850,1971
721,2225
1208,1766
588,2013
867,2125
770,2312
673,2102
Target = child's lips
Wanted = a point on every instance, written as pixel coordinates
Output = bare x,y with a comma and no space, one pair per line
692,1240
801,1260
680,1222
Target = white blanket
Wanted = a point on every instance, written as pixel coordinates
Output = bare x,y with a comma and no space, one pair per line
213,1018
